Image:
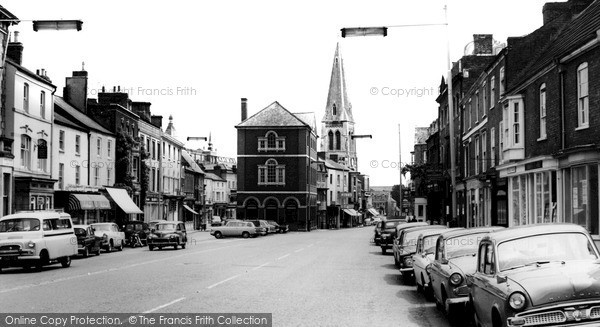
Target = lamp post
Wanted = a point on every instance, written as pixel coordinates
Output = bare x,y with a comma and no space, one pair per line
382,31
51,25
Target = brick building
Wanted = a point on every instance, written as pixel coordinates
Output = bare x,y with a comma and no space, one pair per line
277,155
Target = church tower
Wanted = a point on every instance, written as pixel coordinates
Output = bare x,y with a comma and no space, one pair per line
338,124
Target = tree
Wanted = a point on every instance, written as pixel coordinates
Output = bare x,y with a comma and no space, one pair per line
124,146
144,175
396,194
420,174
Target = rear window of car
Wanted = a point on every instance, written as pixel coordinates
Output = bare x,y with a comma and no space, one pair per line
256,223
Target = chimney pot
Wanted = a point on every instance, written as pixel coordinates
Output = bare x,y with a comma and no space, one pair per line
16,38
103,89
119,88
114,89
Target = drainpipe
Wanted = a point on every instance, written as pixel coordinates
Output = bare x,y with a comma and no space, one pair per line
561,81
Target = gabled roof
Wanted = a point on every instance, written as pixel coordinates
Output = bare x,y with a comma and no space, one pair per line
30,73
69,112
193,165
579,31
5,14
271,116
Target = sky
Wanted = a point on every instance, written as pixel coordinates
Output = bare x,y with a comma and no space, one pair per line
194,60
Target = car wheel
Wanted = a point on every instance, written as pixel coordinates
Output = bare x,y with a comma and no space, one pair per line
175,247
150,247
120,248
44,259
111,246
218,235
98,251
160,247
86,252
65,262
183,245
245,234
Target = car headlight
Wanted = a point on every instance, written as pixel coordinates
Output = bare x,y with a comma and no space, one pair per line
408,262
105,237
31,244
517,301
456,279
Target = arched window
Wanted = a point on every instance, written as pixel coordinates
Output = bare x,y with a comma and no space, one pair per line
337,140
334,110
330,138
271,173
26,152
271,140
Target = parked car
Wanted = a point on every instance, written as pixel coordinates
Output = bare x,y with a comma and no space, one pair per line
387,234
407,246
87,241
262,226
545,274
216,221
279,228
113,237
377,232
139,228
368,221
423,256
241,228
272,229
455,256
168,233
36,238
396,244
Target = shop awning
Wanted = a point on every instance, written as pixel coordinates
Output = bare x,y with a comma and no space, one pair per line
123,200
88,202
190,209
351,212
373,212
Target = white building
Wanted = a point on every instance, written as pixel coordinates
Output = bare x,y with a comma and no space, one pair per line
171,174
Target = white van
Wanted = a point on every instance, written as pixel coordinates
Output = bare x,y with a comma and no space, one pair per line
36,238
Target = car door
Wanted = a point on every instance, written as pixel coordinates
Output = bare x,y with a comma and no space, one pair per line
183,233
418,260
483,289
435,276
230,228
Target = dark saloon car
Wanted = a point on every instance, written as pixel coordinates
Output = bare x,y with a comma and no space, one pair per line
455,256
169,233
407,247
396,245
87,241
279,228
536,275
388,232
136,227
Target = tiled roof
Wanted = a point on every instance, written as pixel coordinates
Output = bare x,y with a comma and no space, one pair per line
273,115
5,14
191,162
579,31
213,177
78,116
58,118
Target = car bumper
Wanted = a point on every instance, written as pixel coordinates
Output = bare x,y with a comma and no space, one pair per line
404,270
162,241
584,313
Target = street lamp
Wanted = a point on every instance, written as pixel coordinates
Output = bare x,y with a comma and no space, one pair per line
53,25
382,31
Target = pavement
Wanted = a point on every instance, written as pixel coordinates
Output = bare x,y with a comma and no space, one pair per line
324,278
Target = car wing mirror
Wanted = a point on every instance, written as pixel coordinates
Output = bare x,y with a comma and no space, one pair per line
501,279
469,279
444,261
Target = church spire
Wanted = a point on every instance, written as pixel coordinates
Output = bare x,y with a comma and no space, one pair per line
338,107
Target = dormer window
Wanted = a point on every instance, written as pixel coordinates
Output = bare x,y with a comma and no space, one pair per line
271,142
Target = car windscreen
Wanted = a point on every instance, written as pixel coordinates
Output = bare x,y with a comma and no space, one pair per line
19,225
80,231
429,243
409,241
539,249
391,224
272,223
463,245
136,227
166,226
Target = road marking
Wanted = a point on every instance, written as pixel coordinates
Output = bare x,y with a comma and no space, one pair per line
88,274
165,305
224,281
264,264
284,256
299,250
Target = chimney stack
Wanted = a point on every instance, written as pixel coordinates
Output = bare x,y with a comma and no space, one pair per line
76,89
483,44
14,50
244,109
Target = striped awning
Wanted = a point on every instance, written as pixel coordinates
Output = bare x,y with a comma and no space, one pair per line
88,202
351,212
373,212
123,200
189,209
